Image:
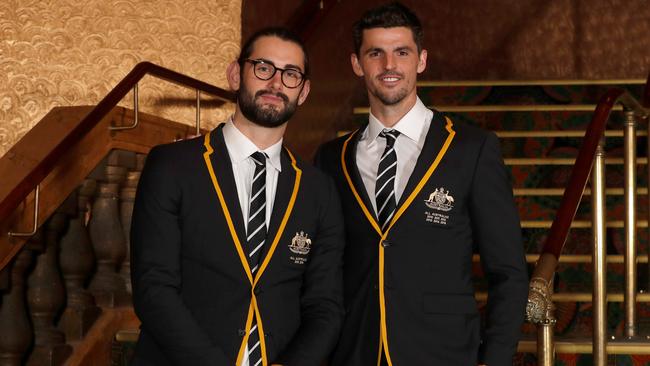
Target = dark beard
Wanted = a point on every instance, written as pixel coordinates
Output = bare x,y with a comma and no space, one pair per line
265,116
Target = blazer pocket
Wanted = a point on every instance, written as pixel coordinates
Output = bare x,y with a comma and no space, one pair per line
449,304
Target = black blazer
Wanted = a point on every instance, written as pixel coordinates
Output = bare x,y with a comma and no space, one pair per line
192,286
409,290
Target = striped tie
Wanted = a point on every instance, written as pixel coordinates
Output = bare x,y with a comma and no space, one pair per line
385,184
255,237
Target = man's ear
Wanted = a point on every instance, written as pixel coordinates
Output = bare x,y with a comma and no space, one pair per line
356,66
233,76
422,62
304,92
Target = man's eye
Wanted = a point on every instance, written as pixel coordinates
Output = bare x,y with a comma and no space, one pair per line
373,54
403,53
292,74
264,68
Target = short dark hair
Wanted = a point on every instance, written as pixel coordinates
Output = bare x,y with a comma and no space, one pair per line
387,16
280,32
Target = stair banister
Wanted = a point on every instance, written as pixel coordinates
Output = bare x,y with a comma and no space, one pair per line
540,305
20,178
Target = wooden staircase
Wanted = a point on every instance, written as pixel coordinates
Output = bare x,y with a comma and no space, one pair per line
64,263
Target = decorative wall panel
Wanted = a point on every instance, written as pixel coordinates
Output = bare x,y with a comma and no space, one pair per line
65,52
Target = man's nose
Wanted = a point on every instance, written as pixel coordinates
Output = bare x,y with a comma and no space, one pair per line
276,81
389,62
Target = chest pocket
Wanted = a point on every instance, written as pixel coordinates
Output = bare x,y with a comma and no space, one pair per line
439,208
297,250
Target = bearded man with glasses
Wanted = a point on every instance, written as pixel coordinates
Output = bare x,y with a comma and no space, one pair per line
237,244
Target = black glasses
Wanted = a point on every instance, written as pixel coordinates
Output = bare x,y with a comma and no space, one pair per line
264,70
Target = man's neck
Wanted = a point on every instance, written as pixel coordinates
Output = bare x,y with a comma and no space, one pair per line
262,137
389,115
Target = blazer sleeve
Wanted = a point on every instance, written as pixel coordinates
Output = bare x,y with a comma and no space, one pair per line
156,269
322,292
497,230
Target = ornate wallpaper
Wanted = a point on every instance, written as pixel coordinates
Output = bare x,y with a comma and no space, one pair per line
66,52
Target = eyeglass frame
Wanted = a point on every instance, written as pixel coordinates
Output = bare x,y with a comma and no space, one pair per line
275,70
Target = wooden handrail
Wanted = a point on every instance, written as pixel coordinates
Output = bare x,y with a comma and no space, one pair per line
13,194
547,263
580,174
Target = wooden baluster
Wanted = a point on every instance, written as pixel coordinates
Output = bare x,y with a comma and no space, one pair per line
15,327
45,295
77,260
126,211
107,235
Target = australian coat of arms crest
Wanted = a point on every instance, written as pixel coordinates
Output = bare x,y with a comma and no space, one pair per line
300,244
440,200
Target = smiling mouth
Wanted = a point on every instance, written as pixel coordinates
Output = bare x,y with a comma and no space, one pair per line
390,78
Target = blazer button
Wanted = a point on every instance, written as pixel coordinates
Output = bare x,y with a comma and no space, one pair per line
257,291
385,243
241,332
376,286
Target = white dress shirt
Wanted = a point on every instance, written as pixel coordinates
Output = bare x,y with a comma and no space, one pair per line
413,128
240,149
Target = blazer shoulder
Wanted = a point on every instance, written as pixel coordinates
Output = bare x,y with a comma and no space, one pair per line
334,146
179,149
467,132
175,155
311,174
328,154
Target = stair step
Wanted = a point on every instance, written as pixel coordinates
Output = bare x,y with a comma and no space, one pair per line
559,133
506,108
518,92
548,82
564,161
584,345
523,192
578,258
579,297
578,224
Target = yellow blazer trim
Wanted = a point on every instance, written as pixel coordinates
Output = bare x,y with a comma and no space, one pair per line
242,347
253,307
365,210
287,214
382,300
224,207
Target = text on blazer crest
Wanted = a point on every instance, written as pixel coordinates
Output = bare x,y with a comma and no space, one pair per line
301,245
440,201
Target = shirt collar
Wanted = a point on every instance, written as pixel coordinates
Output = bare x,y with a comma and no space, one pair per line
240,147
411,125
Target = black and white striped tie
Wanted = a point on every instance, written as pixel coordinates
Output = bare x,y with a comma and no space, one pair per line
385,184
255,237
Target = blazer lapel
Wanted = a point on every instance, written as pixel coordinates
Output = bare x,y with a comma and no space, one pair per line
434,142
217,162
353,170
283,191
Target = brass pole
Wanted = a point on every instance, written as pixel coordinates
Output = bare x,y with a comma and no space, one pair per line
630,223
599,297
545,344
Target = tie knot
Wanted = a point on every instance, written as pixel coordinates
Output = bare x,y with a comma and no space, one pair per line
259,158
390,136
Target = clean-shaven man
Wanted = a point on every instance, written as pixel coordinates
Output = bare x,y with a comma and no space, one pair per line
419,191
